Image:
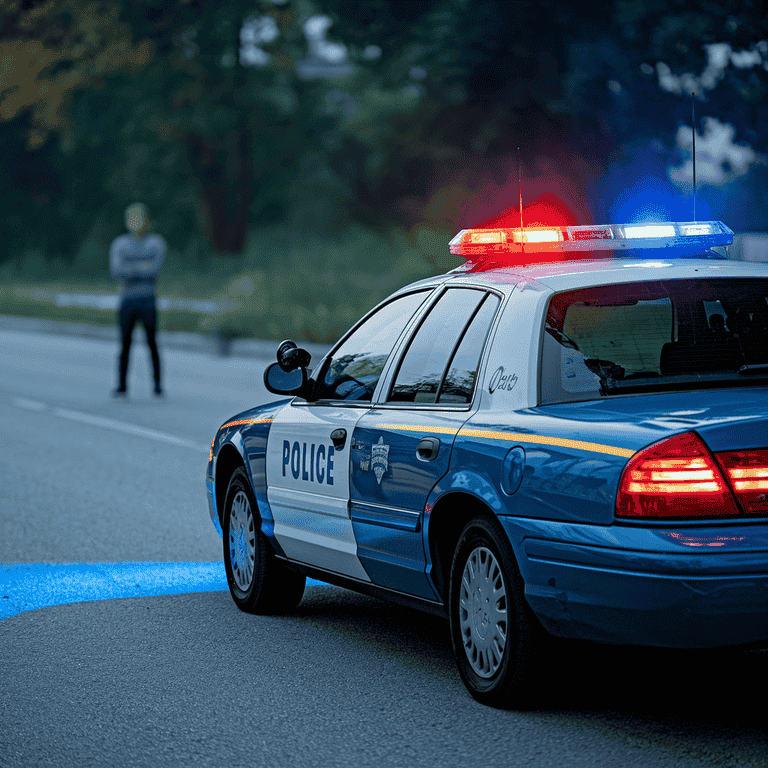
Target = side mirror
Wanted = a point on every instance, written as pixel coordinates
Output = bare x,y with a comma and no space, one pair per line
283,382
290,357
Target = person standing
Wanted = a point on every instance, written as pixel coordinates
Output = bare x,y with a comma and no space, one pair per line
135,259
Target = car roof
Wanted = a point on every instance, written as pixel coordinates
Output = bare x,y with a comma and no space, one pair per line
582,273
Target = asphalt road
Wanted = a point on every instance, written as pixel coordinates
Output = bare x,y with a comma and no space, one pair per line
106,499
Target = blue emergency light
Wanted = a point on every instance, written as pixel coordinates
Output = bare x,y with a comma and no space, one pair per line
475,244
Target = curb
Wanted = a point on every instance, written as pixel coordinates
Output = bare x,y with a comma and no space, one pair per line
212,344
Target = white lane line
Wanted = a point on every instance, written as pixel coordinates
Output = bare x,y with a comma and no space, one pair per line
130,429
100,421
29,405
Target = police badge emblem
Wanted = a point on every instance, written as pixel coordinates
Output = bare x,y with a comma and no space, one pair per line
379,459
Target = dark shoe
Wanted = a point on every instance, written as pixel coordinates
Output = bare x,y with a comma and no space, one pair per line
158,391
120,392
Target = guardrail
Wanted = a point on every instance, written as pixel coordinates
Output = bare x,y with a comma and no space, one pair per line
212,343
109,301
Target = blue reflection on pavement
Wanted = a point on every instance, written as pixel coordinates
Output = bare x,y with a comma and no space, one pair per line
28,586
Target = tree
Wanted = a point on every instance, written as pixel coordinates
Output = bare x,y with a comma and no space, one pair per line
51,49
644,62
577,87
242,126
484,79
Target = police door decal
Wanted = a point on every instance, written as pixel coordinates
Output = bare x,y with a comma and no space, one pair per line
308,486
321,459
379,459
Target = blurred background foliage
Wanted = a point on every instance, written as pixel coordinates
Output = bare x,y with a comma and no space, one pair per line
304,158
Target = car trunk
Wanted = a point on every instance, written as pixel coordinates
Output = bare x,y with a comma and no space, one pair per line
732,423
727,419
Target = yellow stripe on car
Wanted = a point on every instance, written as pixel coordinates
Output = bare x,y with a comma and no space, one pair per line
515,437
560,442
411,428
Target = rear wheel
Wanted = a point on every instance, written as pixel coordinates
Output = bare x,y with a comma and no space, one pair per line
258,582
496,638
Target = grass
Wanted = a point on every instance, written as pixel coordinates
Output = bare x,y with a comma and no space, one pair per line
36,300
284,285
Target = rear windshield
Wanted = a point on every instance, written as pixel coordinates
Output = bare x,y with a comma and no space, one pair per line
663,335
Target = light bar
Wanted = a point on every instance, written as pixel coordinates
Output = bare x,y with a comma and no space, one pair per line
697,229
538,236
591,233
650,230
475,244
488,236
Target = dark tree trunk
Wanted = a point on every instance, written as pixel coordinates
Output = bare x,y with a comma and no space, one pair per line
221,165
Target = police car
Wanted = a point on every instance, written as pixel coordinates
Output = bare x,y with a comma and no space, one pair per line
565,436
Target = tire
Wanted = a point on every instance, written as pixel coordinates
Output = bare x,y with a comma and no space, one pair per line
258,582
497,640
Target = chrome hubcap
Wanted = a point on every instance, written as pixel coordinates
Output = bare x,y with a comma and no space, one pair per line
242,541
483,612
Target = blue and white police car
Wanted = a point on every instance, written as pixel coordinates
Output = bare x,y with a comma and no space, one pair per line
565,436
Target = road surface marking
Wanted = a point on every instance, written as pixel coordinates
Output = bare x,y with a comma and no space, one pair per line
130,429
101,421
29,405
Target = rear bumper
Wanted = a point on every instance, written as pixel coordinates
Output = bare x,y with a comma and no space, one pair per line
682,588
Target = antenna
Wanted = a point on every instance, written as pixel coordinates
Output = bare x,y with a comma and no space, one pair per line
693,133
520,189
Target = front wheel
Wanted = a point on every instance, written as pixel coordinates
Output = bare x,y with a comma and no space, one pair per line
496,638
258,582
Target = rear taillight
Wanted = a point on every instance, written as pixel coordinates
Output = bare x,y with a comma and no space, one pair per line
674,478
747,473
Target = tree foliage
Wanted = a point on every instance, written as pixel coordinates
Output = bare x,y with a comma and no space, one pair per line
103,102
50,50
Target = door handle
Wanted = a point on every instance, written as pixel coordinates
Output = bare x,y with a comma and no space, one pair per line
338,438
427,448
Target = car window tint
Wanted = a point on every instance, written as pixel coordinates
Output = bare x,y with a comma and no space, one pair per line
655,336
459,382
425,361
357,364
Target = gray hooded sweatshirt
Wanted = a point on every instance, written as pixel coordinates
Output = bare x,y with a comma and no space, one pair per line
136,261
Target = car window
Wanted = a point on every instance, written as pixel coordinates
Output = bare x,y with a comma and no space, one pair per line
426,359
655,336
355,368
459,382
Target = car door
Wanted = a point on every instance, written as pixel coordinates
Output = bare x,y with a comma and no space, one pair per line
402,446
309,444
